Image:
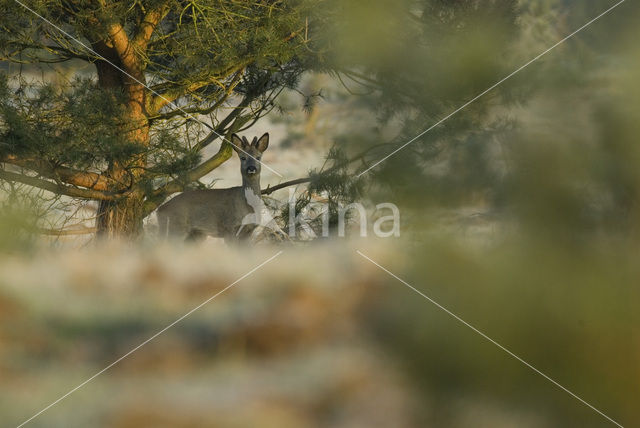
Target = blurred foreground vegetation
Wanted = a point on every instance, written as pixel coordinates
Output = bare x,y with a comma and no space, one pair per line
321,337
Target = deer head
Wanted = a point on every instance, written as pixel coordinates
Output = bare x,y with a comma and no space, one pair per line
250,155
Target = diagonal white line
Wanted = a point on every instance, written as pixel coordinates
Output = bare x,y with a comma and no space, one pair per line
149,339
492,87
490,339
138,81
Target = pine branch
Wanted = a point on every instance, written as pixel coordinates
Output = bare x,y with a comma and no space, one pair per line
64,54
56,188
67,231
221,129
269,190
157,102
75,177
359,156
149,24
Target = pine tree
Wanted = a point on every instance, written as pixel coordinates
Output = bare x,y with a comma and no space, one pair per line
129,132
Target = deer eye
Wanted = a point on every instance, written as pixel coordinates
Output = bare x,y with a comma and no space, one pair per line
258,158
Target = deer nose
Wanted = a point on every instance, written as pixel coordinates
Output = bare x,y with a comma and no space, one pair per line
251,170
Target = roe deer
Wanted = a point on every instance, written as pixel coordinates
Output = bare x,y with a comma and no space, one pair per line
219,213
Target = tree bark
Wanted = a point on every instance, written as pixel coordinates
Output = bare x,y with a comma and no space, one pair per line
122,217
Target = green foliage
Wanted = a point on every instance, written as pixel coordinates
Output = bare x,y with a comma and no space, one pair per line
79,125
172,157
19,216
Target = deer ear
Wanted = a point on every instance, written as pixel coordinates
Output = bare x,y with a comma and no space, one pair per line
237,143
263,142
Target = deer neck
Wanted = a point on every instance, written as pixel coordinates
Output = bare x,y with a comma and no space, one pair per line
252,183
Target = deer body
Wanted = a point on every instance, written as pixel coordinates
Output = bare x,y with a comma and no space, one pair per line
218,213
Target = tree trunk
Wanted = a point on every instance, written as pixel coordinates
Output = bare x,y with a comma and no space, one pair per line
120,218
123,217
